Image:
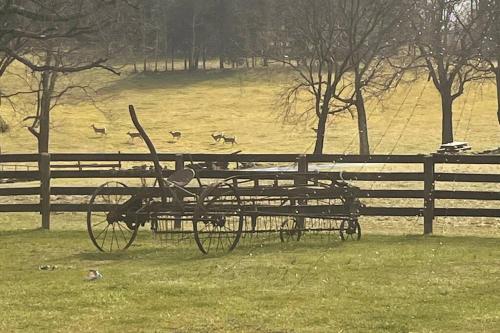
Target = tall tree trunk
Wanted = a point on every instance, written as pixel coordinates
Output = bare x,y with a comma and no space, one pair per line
192,59
497,75
320,135
221,61
204,58
157,46
43,137
172,59
447,116
364,145
144,51
323,117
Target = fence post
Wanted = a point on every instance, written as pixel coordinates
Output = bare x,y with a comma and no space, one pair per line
179,165
429,200
44,169
302,166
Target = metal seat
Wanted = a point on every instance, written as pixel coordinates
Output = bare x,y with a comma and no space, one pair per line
181,177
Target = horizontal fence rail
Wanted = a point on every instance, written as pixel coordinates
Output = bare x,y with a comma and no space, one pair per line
35,180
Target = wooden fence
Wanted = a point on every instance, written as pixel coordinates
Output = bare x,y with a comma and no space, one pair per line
419,184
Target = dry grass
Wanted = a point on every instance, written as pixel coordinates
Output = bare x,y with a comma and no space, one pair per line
245,103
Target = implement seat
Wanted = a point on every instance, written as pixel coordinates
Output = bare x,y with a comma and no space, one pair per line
181,177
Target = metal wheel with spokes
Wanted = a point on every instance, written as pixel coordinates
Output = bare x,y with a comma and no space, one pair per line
350,230
112,227
289,231
218,219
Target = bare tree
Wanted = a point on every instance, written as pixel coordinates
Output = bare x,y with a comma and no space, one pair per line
53,39
341,47
370,33
489,11
448,39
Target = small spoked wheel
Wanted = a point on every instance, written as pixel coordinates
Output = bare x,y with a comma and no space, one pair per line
218,219
110,228
290,231
350,230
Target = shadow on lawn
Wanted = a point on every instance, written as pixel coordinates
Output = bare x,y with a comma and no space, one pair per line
176,80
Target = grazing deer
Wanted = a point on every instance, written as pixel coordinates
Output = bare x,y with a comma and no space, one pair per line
134,135
229,139
217,137
176,134
98,130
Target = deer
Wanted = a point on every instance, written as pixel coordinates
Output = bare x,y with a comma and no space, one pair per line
176,134
134,135
217,137
98,130
229,139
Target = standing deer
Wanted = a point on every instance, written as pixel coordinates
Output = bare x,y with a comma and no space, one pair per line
98,130
176,134
134,135
229,139
217,137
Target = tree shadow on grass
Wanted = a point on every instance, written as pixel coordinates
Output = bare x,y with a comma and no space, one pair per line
175,80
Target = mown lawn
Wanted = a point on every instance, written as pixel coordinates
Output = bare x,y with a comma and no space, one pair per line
391,283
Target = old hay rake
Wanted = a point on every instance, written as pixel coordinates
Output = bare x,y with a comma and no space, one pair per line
221,213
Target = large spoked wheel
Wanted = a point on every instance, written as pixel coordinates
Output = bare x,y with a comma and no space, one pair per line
218,219
350,230
110,228
290,231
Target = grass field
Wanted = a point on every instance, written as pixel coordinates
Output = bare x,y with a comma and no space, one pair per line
391,283
244,103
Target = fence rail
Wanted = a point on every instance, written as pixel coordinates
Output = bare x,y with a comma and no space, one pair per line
46,168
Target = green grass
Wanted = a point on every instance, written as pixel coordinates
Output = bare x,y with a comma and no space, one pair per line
391,283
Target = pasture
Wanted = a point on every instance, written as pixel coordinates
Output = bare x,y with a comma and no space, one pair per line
384,283
390,281
246,104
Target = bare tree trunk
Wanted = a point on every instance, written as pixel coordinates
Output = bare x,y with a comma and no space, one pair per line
204,58
323,117
447,116
157,46
43,136
497,75
172,59
320,135
364,145
144,51
192,58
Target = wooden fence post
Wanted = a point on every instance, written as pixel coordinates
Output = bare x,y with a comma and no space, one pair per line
179,165
429,200
44,169
302,167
